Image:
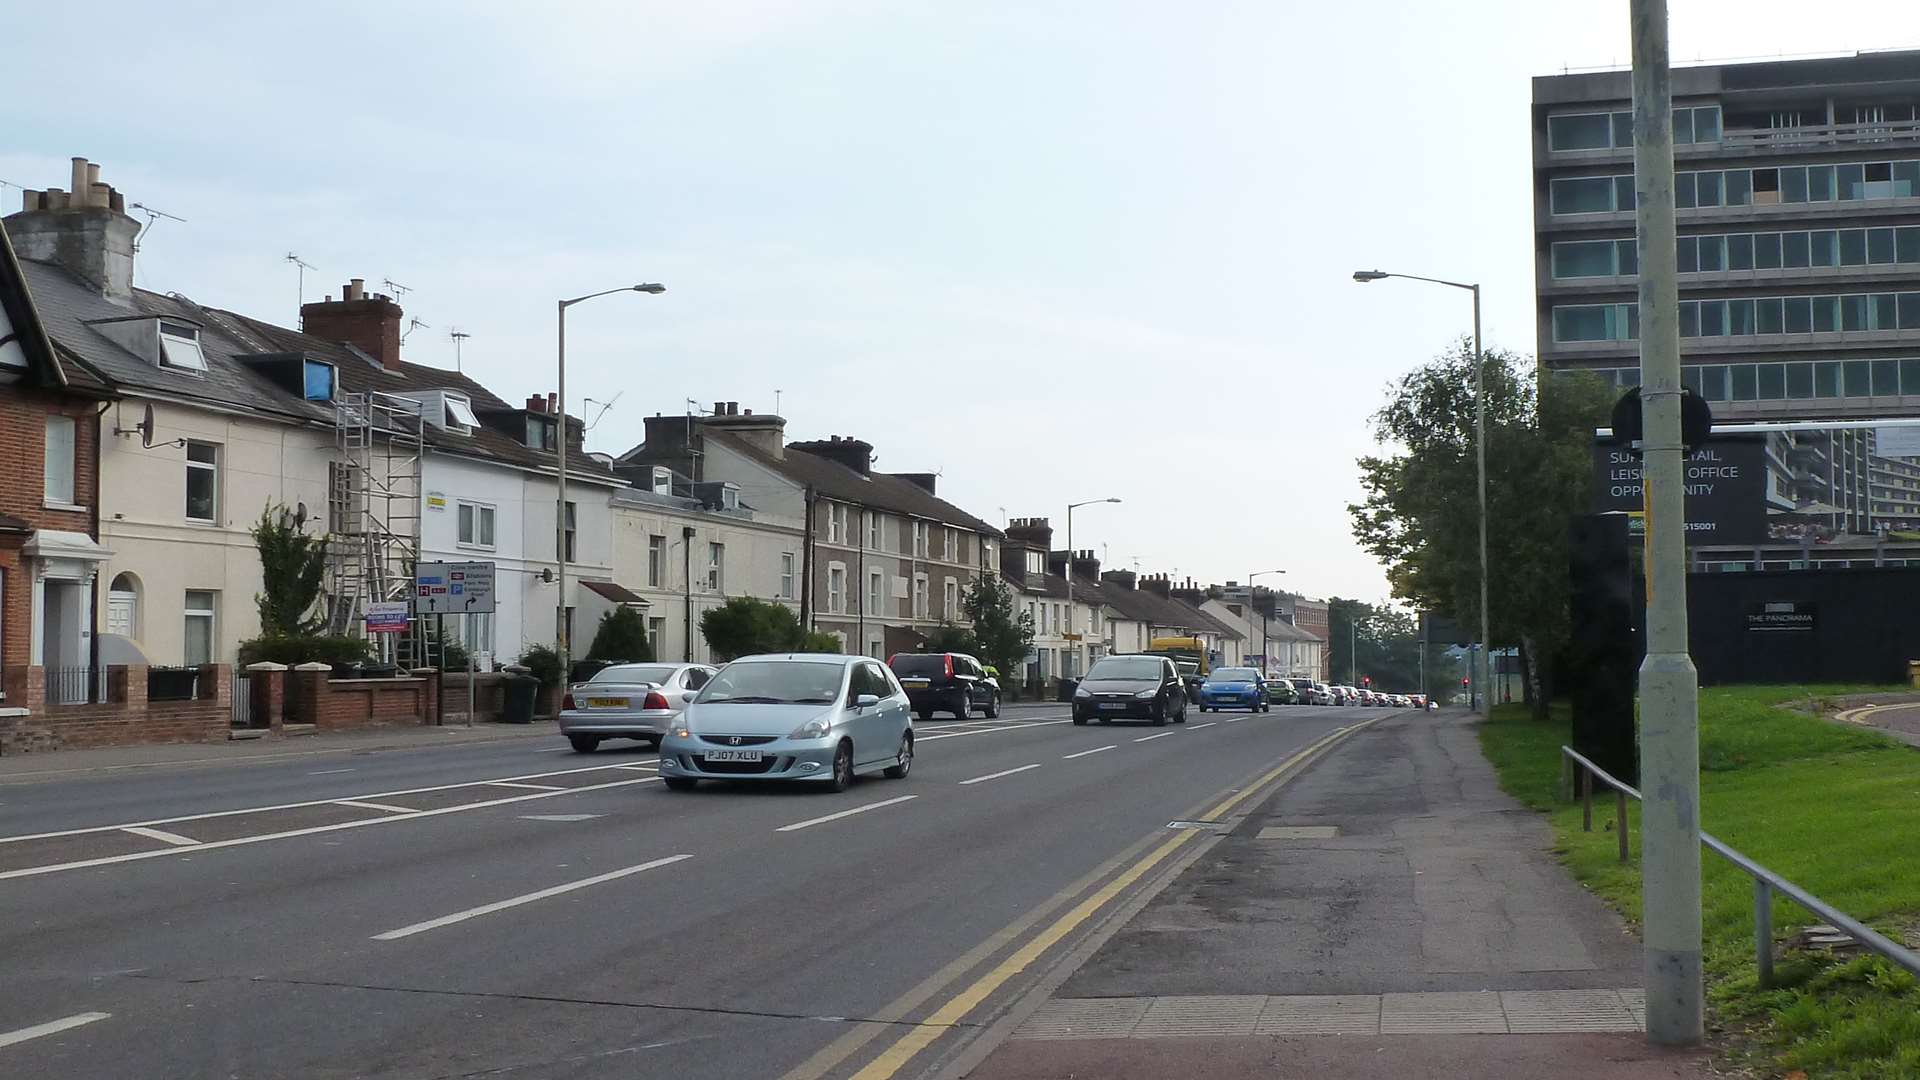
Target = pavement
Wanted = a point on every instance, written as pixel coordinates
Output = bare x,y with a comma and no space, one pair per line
509,908
1388,913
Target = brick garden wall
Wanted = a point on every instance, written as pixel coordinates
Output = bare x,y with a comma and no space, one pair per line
126,718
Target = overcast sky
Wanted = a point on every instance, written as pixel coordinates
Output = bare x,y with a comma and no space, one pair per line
1055,251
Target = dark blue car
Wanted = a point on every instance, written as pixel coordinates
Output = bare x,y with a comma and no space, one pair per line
1234,688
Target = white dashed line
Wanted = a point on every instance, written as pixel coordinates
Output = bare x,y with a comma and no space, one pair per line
51,1027
529,787
1084,753
502,905
1231,719
329,772
998,775
1197,727
163,836
810,822
1150,738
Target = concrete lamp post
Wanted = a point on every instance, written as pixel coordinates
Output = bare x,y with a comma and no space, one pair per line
1265,660
1480,455
560,510
1073,644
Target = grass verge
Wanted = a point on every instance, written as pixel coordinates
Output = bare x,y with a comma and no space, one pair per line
1833,808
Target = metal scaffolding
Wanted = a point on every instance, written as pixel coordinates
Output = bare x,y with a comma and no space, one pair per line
373,509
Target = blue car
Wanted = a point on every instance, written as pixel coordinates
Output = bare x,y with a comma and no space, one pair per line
1234,688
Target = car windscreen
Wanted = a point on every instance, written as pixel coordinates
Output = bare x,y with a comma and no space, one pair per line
1302,684
634,673
774,682
1117,667
1232,674
919,664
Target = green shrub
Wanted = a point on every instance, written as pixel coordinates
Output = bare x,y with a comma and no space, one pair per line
622,637
543,662
304,649
819,641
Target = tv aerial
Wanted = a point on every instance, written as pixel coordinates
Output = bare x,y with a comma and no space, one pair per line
152,216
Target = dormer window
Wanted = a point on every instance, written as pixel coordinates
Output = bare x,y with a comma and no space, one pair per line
180,347
460,414
730,497
540,433
662,480
1036,562
318,379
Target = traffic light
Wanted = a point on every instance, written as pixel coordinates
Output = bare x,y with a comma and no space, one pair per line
1366,680
1466,682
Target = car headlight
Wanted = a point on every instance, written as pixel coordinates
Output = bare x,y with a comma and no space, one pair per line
1144,694
816,728
1082,692
680,728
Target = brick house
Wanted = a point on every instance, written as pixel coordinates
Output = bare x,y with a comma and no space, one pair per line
49,495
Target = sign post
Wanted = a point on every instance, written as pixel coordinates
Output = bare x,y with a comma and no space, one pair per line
462,588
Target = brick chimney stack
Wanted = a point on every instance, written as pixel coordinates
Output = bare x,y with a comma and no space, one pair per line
1033,532
369,323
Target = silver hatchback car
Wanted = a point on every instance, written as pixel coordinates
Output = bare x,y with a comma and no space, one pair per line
797,716
628,701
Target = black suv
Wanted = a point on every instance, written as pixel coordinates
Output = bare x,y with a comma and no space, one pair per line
946,682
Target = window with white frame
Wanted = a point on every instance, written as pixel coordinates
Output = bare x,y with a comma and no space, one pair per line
786,575
836,523
199,609
1036,562
180,347
571,528
873,531
950,600
716,567
657,634
459,413
59,464
952,544
656,561
921,539
475,522
876,592
203,482
836,588
919,596
475,631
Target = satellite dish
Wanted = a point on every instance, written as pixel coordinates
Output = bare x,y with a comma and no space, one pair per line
145,427
299,515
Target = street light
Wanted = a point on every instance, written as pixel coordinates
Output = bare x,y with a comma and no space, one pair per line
560,511
1264,658
1480,455
1073,643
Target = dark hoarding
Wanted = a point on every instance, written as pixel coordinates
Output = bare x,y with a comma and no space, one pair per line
1799,484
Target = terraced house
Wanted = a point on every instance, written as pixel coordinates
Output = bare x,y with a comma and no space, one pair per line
885,559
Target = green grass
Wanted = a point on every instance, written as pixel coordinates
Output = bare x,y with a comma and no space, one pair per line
1833,808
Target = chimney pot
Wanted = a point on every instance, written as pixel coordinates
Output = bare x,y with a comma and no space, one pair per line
749,412
98,194
553,403
79,179
93,173
116,201
719,408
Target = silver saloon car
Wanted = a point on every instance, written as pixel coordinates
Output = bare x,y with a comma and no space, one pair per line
797,716
628,701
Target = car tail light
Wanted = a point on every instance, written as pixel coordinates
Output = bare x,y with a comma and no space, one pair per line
654,700
949,659
566,700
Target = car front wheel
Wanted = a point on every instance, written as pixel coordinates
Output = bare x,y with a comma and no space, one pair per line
992,711
902,761
842,778
1160,712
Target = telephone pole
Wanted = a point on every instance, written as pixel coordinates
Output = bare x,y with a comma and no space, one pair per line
1669,683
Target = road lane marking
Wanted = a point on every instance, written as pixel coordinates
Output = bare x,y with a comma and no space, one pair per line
648,765
528,898
552,749
163,836
998,775
1231,719
895,1057
1150,738
330,772
51,1027
810,822
988,731
107,860
292,805
1084,753
531,787
388,807
1197,727
559,817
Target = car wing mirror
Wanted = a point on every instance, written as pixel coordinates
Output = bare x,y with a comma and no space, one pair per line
866,701
688,696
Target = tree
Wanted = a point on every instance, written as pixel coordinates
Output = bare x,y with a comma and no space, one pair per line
292,565
621,637
1387,640
1002,636
819,641
745,625
950,638
1421,514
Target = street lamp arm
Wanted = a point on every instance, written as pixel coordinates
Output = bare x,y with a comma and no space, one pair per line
1375,275
646,288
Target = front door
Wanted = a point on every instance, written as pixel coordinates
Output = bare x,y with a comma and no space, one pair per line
120,613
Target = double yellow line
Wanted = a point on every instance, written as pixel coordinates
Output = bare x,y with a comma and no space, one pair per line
942,1020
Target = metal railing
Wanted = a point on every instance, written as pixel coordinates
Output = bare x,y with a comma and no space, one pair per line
75,685
1871,131
1765,881
242,701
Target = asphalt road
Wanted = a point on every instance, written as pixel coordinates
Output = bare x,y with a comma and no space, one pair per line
509,911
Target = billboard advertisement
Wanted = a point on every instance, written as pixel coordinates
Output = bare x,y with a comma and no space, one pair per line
1800,483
